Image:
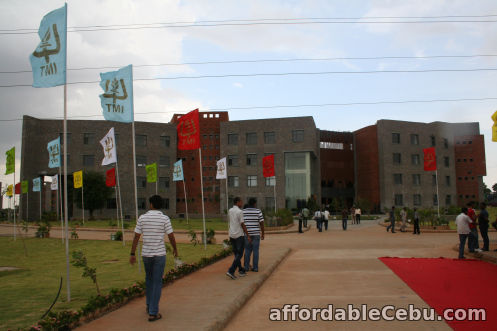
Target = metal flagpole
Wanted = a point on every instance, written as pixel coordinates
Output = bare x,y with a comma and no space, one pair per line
134,166
202,190
59,193
227,195
438,198
117,206
14,195
186,201
83,201
40,197
27,203
274,187
120,203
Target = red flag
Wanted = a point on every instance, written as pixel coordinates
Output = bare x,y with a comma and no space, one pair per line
430,159
18,188
268,165
188,131
110,179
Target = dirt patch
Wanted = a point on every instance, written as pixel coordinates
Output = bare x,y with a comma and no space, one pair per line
8,268
110,261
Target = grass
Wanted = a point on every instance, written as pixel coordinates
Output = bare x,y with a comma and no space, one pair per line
27,293
216,224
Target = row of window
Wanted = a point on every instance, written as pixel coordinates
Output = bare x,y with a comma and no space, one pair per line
250,159
269,137
234,181
141,161
415,159
416,180
414,138
141,140
417,201
141,182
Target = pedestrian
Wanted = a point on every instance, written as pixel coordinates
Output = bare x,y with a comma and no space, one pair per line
300,222
153,225
326,215
392,220
352,214
318,217
462,223
483,223
473,236
345,217
403,217
305,216
254,222
416,222
237,233
358,215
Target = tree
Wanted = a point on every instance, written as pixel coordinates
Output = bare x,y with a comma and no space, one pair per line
494,187
96,192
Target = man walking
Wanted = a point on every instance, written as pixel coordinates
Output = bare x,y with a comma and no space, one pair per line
305,216
153,225
358,215
326,215
416,222
392,220
463,222
318,217
237,232
483,222
345,216
473,236
254,223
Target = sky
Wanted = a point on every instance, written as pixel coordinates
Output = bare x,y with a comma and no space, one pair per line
339,57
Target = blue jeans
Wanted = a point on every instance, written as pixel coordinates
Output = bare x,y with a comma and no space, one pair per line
484,235
473,240
154,269
238,247
462,243
249,248
344,223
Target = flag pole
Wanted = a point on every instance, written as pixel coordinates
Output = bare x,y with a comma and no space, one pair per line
120,203
83,200
14,194
117,206
27,203
40,194
227,195
274,187
59,193
134,164
202,191
186,201
438,198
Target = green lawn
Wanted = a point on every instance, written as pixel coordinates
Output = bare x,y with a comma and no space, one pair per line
27,293
216,224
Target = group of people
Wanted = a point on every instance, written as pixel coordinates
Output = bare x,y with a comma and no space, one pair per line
403,218
322,218
246,230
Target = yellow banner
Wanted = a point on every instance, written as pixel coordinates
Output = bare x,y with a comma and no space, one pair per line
151,172
494,127
78,179
10,189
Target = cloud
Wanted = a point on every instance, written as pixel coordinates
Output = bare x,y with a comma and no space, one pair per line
238,85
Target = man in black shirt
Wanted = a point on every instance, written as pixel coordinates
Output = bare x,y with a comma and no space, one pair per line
483,221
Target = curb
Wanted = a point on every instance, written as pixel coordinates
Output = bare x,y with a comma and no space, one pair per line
409,228
225,317
484,256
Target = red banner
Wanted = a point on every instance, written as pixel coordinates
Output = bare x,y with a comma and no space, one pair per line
268,166
18,188
188,131
430,159
110,179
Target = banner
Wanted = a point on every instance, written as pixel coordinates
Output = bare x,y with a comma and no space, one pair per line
268,166
10,162
48,61
151,172
24,186
221,169
109,144
178,171
117,99
78,178
37,184
10,190
430,159
494,127
18,188
188,131
110,178
55,183
53,148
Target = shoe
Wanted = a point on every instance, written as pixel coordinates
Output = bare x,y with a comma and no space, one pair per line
394,232
484,250
254,270
153,318
462,257
242,274
478,250
230,275
471,251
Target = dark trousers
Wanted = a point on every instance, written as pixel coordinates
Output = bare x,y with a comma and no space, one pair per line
319,225
305,222
473,240
358,219
300,225
416,226
484,235
344,224
325,225
392,226
238,245
462,243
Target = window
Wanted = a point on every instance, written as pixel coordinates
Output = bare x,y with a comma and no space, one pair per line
164,161
395,138
269,138
297,136
446,161
141,140
416,199
232,139
447,180
233,160
251,138
251,181
399,201
233,181
165,141
269,203
141,160
397,158
164,183
141,182
433,140
435,200
88,138
111,203
141,203
251,159
397,179
448,200
414,139
415,160
165,203
446,143
434,180
416,179
88,160
270,181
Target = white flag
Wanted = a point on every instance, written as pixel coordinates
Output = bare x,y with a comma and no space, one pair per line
221,169
55,183
109,144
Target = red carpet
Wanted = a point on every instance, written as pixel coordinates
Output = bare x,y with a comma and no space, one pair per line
451,283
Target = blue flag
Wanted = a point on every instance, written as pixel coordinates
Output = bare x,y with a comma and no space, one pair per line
178,171
117,99
48,61
53,148
37,184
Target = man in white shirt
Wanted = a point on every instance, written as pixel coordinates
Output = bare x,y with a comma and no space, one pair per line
358,215
462,222
237,232
318,216
326,219
153,225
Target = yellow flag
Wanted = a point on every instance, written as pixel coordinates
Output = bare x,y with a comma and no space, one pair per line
151,172
10,189
494,127
78,179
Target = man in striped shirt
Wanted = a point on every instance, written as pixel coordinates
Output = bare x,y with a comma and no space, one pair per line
153,225
254,222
